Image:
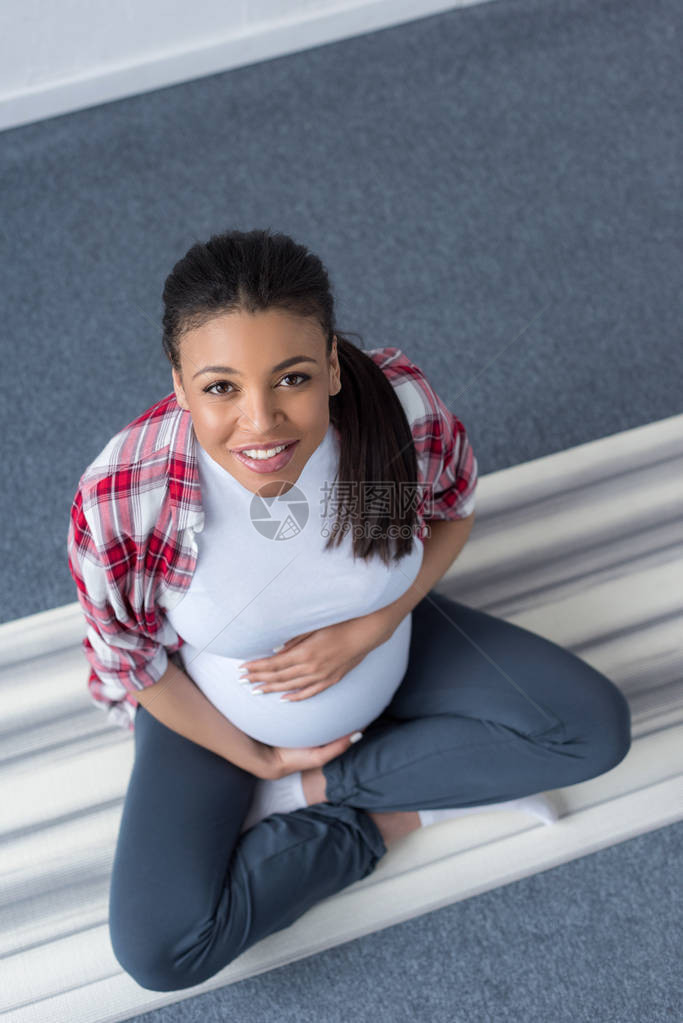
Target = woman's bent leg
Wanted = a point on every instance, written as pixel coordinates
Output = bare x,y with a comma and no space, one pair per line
487,712
188,892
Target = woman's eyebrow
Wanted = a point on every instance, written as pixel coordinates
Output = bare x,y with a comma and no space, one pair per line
236,372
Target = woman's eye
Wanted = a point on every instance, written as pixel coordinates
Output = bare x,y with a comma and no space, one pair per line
226,383
219,383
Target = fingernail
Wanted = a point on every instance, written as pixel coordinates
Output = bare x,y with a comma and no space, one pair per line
279,648
242,671
257,692
356,737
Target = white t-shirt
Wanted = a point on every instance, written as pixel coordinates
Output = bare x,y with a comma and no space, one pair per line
263,577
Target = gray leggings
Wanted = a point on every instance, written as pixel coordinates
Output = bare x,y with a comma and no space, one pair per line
486,712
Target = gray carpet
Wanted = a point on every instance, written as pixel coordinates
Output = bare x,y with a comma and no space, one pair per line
494,190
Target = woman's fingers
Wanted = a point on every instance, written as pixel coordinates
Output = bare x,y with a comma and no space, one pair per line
290,759
296,681
334,749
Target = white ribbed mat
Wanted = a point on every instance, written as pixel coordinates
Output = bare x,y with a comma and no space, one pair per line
584,547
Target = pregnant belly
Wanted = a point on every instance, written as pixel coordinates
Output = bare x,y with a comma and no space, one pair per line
352,703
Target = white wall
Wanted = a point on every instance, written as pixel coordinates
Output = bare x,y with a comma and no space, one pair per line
69,54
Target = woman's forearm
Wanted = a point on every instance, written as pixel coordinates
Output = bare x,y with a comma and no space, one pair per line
179,703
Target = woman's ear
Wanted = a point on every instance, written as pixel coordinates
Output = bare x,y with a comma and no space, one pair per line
336,373
179,391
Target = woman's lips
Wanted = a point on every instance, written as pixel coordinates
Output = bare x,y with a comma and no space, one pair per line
266,465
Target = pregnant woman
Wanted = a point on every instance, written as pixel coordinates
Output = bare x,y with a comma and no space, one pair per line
255,556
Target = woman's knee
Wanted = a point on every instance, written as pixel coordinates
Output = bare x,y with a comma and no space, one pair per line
156,966
615,730
604,728
159,958
149,972
139,951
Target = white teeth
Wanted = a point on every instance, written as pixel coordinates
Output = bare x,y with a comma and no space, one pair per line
264,454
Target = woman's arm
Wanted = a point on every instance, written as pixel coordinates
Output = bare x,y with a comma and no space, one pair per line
178,703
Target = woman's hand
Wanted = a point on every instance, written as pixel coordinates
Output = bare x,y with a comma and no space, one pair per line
316,660
277,761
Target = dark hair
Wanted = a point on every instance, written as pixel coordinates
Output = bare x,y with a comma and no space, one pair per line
255,271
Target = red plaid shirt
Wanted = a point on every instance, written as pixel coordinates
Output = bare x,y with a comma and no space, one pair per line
131,541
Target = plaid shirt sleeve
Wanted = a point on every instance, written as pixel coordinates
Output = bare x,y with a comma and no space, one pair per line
448,467
119,645
454,469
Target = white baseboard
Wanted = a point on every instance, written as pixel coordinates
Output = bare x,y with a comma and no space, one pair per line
252,44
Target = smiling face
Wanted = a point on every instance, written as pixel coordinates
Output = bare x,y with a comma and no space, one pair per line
247,400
